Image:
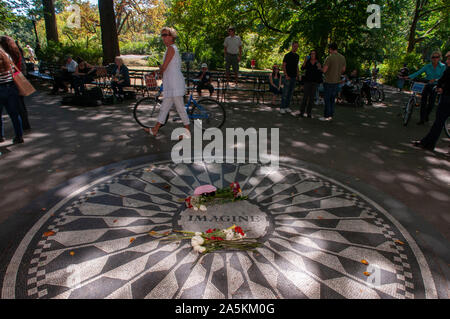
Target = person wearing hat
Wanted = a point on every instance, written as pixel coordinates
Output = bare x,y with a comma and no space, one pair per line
65,75
233,53
204,80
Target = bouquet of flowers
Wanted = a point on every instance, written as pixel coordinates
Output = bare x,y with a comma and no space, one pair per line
231,238
212,196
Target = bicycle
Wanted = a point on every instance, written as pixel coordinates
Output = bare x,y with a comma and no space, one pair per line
210,112
416,88
376,90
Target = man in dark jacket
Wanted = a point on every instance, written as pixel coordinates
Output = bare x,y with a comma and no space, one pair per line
442,112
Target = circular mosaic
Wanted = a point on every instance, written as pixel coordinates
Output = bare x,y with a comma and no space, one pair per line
320,239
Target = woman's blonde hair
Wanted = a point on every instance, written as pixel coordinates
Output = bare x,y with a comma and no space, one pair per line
119,59
171,31
438,53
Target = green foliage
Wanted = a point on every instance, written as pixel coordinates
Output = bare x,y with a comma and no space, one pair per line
55,52
267,28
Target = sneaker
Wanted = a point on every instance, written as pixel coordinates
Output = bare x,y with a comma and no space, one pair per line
325,119
288,110
283,111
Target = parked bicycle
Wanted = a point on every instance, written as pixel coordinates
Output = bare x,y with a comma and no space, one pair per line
210,112
376,90
416,89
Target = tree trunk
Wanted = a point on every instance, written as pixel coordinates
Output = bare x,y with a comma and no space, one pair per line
412,29
51,28
110,41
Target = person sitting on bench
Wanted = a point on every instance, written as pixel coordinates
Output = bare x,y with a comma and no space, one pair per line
83,74
65,75
121,78
205,80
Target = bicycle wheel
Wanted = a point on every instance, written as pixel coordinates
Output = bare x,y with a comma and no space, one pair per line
376,94
407,111
146,111
358,101
447,127
210,112
382,95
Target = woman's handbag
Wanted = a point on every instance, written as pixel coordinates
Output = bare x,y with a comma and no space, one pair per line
23,85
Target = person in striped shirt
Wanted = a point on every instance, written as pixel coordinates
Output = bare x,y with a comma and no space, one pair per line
9,96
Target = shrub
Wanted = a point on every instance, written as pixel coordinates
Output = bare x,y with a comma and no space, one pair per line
55,52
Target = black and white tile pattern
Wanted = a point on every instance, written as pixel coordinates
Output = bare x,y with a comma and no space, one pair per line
315,233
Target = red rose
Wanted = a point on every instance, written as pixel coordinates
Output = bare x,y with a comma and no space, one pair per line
188,202
239,230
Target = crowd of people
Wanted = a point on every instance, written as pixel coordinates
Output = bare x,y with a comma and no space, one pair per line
330,76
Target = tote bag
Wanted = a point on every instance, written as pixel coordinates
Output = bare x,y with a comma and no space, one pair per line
23,85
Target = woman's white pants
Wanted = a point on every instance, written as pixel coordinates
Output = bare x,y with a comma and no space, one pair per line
167,104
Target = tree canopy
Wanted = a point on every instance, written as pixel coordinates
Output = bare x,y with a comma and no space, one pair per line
409,29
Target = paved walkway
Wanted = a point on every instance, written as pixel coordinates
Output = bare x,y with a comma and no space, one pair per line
87,187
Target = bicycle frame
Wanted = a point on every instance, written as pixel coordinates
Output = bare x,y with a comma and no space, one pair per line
191,100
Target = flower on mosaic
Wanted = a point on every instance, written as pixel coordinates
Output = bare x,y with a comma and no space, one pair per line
132,239
201,200
399,242
43,209
231,238
366,273
49,233
153,233
319,217
115,221
363,261
72,253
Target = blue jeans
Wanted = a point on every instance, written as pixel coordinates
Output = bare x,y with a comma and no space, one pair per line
288,91
442,113
330,92
9,98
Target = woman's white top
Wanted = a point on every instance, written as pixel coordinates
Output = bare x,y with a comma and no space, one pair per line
173,80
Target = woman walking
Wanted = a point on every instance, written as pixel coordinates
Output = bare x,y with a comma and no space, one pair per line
9,45
9,96
173,82
312,79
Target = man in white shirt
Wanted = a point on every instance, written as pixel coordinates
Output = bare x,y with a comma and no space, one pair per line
31,54
65,75
233,53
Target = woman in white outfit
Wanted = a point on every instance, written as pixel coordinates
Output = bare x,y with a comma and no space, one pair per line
173,82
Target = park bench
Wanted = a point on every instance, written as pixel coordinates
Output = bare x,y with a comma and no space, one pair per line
143,82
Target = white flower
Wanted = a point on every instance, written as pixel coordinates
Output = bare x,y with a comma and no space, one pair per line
202,207
199,249
197,241
195,208
229,236
198,233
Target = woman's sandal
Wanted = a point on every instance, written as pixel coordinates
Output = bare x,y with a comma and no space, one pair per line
149,131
